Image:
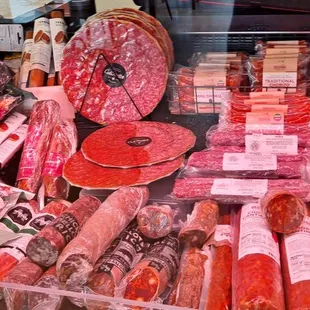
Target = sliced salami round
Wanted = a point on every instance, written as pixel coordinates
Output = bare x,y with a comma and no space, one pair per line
135,144
82,173
113,70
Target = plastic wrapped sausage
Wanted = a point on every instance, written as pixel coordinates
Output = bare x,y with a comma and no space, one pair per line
63,144
123,254
47,245
186,291
155,221
200,224
283,210
44,116
78,258
153,273
41,301
256,268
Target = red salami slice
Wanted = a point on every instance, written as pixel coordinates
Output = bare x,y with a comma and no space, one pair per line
134,144
82,173
113,71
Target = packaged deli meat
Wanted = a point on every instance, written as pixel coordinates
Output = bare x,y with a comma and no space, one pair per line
78,258
82,173
136,144
236,190
187,289
44,116
134,67
200,223
155,221
63,144
41,301
283,211
46,246
26,55
256,269
26,273
219,287
6,74
295,246
154,272
123,254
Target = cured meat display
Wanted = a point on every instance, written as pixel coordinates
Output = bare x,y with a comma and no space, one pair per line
63,144
155,271
43,118
133,144
200,224
80,255
187,288
257,271
41,301
82,173
119,78
283,211
200,188
155,221
47,245
296,276
123,254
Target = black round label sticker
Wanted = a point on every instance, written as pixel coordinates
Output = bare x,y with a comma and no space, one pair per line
114,75
139,141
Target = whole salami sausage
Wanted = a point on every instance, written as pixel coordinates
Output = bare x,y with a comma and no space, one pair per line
124,253
156,270
283,210
296,246
256,270
41,301
26,273
63,144
200,224
44,116
155,221
80,255
187,288
46,246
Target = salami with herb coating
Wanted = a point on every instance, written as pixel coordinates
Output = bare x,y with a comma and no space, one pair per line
47,245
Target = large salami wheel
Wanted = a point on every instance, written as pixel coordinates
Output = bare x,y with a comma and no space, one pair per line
134,144
113,70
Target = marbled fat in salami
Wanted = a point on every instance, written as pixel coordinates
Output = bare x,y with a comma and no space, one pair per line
82,173
137,144
113,71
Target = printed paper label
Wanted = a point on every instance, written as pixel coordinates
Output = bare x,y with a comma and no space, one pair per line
272,144
291,42
272,94
271,101
58,35
216,96
282,51
297,246
38,223
209,78
247,161
25,67
222,233
236,187
280,79
281,108
255,236
264,122
42,48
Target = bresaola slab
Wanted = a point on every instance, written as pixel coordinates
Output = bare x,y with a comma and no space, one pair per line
135,144
82,173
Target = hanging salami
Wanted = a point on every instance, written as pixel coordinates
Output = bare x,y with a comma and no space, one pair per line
82,173
134,144
113,70
80,255
46,246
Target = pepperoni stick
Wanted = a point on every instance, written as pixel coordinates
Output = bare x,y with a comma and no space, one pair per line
80,255
46,246
200,224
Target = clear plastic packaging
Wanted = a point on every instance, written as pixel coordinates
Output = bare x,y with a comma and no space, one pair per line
6,74
257,279
283,211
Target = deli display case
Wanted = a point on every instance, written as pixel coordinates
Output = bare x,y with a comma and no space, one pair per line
156,162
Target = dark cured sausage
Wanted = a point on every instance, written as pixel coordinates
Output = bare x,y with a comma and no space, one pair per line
257,272
46,246
200,224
